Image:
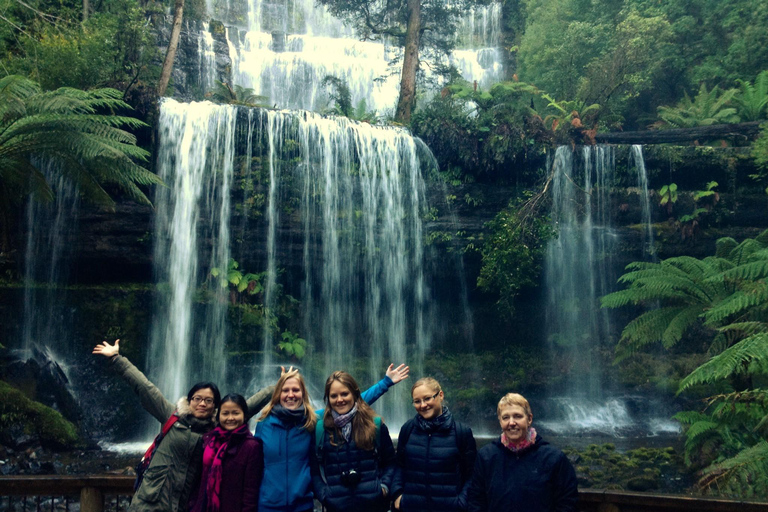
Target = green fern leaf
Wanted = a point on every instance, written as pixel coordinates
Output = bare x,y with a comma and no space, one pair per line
732,361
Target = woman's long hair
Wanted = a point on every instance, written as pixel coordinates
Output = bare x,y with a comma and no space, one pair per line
363,426
309,413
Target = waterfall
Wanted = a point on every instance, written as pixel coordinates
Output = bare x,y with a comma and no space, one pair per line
358,198
206,58
195,160
289,47
578,263
636,156
50,228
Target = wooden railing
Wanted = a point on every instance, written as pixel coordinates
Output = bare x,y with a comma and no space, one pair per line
54,492
100,493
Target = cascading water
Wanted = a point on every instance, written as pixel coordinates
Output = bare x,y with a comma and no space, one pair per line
196,162
50,226
578,271
206,58
577,267
636,156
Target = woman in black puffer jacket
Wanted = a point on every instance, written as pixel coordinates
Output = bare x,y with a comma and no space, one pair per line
354,466
435,453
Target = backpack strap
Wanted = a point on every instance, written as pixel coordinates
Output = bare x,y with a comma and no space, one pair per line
166,427
402,441
319,438
319,434
143,464
462,438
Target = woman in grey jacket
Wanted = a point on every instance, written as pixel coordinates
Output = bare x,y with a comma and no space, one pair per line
168,482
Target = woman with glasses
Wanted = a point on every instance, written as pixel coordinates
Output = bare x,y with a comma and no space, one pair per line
519,470
286,429
435,454
168,483
353,464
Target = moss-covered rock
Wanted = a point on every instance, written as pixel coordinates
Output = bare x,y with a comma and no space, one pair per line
20,416
642,469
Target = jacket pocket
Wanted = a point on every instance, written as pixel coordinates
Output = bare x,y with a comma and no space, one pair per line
151,488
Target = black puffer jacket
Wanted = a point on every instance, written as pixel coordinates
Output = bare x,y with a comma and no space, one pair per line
435,468
375,467
539,478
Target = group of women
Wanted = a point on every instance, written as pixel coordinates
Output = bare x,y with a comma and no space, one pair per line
207,460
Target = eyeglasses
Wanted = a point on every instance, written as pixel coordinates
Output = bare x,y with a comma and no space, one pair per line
198,399
418,401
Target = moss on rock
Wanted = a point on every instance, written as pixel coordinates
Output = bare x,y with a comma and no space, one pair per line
21,416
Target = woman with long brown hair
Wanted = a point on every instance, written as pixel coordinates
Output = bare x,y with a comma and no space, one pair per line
354,465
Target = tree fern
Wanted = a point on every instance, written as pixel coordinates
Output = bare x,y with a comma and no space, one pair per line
708,107
752,100
65,126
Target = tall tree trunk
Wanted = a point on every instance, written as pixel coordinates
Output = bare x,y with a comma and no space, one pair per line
173,44
86,9
407,97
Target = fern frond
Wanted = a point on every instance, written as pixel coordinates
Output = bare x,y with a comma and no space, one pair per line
741,253
746,271
679,324
644,330
745,474
732,361
690,417
724,246
739,303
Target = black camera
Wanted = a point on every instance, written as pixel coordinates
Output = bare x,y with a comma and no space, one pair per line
350,478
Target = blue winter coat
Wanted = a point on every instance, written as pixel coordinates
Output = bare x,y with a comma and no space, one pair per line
539,478
287,483
435,468
374,468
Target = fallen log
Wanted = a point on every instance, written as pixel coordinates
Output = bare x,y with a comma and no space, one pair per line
743,131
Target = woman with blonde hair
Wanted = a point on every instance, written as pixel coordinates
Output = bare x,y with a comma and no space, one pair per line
436,455
285,429
519,470
354,465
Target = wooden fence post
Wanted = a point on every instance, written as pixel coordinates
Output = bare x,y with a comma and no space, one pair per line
91,500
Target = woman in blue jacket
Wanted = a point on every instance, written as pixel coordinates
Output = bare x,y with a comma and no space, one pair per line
354,465
436,455
519,471
286,429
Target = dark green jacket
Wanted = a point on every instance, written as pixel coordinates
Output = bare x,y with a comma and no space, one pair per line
175,468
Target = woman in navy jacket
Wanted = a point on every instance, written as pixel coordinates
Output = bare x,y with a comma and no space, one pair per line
353,469
520,472
436,455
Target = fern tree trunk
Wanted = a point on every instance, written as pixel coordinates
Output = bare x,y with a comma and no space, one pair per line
407,97
173,44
